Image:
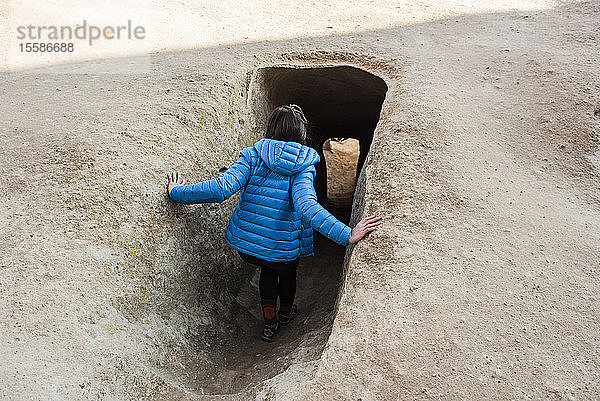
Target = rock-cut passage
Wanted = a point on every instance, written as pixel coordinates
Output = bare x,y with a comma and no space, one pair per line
340,102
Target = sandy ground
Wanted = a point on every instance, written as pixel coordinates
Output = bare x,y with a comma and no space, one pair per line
482,282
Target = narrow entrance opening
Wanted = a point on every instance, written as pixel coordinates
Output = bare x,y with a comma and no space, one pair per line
339,102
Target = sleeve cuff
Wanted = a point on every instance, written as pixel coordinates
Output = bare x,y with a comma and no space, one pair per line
173,194
346,235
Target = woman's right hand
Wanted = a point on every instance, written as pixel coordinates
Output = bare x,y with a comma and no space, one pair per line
363,227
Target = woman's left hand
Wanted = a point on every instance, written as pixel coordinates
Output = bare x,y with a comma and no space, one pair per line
175,180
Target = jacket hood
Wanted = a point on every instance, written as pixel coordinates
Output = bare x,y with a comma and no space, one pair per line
286,158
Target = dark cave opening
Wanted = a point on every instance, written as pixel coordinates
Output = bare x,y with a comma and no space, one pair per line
339,102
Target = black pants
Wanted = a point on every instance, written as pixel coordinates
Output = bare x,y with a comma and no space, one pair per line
276,279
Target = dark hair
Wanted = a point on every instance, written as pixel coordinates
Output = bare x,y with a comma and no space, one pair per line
288,123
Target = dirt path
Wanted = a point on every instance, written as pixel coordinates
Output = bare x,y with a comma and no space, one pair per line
251,360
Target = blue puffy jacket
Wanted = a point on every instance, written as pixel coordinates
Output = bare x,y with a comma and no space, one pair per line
278,206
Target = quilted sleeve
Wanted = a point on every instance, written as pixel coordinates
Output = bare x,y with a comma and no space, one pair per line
312,213
217,189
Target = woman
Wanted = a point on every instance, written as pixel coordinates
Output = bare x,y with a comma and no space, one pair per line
277,210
